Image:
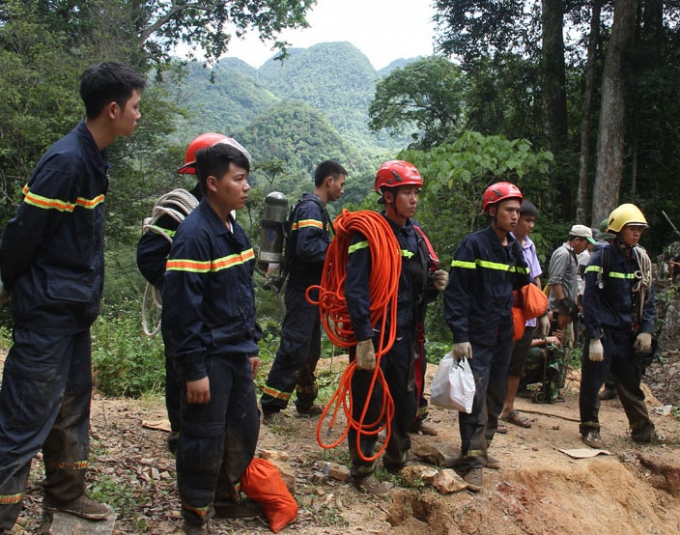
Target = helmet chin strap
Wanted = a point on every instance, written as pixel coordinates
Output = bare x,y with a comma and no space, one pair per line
622,245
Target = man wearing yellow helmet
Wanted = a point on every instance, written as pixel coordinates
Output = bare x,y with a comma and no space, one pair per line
618,306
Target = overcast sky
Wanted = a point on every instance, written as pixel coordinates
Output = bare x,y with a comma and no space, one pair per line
384,30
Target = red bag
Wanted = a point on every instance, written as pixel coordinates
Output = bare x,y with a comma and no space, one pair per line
262,482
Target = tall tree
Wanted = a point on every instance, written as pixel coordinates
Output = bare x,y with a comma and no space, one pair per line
611,132
426,96
588,90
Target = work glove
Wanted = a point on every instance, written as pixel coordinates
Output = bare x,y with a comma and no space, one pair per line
365,355
463,349
439,279
595,350
544,326
643,343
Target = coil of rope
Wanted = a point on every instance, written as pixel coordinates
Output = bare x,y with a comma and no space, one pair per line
383,287
643,277
176,204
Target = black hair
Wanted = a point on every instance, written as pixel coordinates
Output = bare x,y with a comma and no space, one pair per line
528,208
108,81
329,167
215,161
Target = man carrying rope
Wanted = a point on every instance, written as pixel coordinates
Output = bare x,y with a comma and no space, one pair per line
399,183
488,265
618,306
154,247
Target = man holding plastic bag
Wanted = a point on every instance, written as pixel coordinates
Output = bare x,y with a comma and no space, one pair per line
488,265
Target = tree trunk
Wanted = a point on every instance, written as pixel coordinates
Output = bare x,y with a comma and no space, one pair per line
611,134
584,158
554,91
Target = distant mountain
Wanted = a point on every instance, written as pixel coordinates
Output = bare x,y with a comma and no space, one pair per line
396,64
300,136
311,107
224,98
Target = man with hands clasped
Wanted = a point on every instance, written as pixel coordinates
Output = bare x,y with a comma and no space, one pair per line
618,307
487,266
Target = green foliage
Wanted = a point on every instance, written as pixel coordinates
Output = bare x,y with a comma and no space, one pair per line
425,96
125,362
455,176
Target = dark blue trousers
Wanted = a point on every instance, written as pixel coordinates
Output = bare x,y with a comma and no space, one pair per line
217,440
619,358
398,368
489,366
44,404
296,359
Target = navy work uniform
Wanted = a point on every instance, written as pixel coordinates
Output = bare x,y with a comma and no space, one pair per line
152,254
477,303
52,260
608,304
398,364
300,346
209,329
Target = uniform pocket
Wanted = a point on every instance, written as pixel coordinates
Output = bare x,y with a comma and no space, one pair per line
71,289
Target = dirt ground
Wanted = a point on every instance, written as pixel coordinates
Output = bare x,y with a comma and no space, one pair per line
538,490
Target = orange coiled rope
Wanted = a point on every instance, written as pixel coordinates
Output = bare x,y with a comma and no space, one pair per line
383,287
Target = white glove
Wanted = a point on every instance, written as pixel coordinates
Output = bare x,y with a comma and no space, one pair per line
595,350
643,343
544,326
365,355
464,349
439,280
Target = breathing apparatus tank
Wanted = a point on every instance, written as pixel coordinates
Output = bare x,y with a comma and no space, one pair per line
272,234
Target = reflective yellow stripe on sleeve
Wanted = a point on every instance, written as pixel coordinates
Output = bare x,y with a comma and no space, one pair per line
498,266
10,499
357,246
307,223
612,274
210,266
56,204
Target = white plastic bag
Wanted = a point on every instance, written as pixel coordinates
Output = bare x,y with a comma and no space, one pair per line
453,386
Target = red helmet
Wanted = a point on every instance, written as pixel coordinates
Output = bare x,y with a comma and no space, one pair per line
201,142
500,191
397,173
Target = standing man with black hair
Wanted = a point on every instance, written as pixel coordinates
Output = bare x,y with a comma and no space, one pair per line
52,262
520,349
300,346
154,247
211,335
399,184
487,266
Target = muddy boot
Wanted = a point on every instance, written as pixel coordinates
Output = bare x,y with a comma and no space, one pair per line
646,434
492,462
371,485
592,438
82,506
474,479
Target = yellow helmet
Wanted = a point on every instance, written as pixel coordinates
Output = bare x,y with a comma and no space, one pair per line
626,214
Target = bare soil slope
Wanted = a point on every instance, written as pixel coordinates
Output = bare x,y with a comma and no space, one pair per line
539,490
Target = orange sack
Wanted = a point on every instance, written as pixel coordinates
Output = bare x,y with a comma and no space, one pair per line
533,301
262,482
518,321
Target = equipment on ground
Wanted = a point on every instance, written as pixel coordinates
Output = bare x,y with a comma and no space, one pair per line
545,373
